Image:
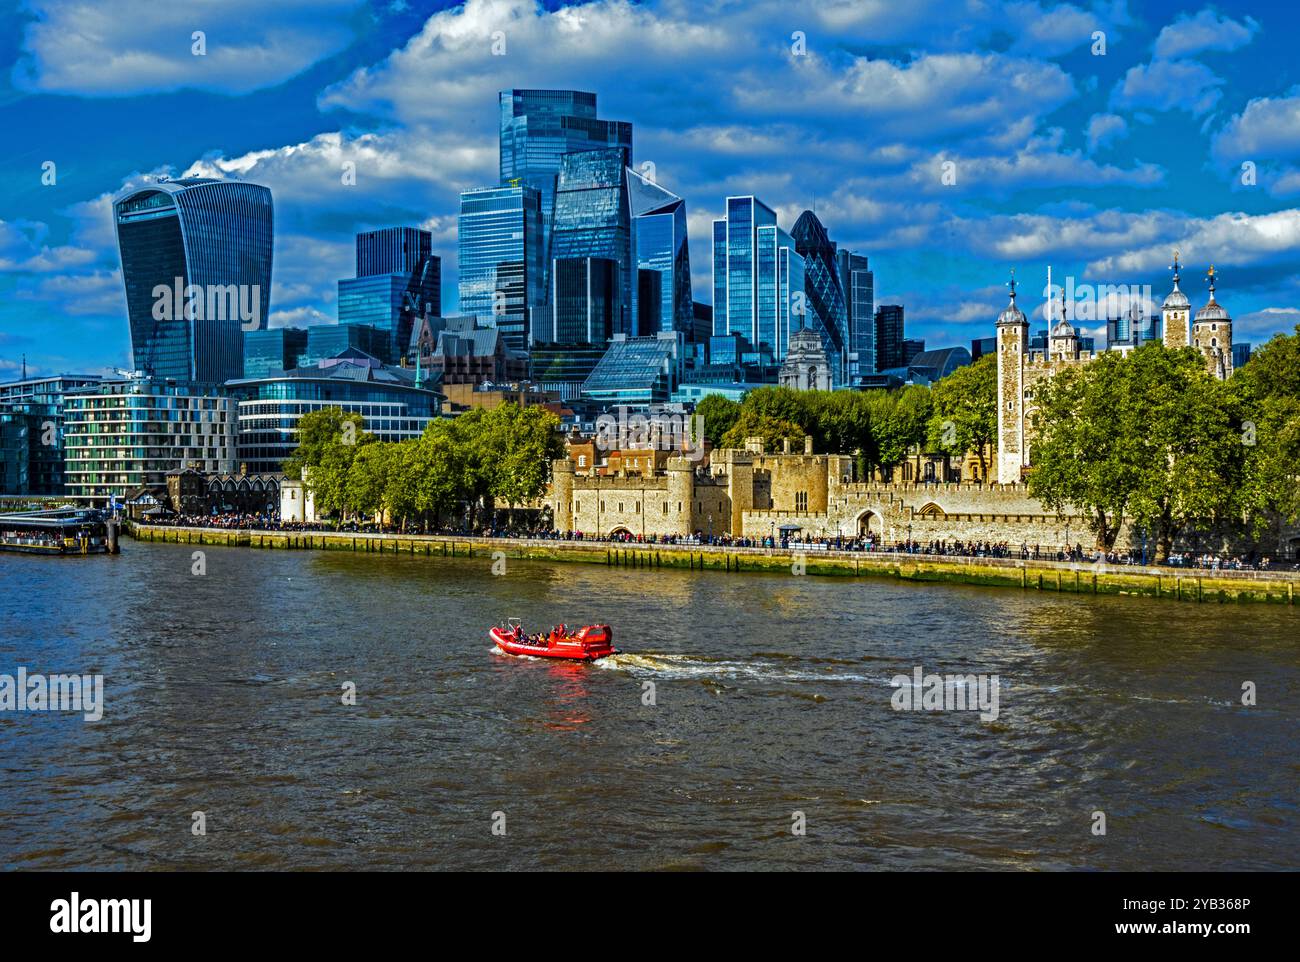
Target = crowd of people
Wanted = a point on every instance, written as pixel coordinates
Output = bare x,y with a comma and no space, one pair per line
793,541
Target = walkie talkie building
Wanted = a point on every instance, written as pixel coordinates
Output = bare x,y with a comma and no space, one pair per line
196,263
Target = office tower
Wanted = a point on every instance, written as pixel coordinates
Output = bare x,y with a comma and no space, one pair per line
593,218
1241,352
398,280
755,272
586,300
702,325
500,259
826,311
327,340
538,127
276,349
911,348
889,336
196,264
661,247
985,345
859,285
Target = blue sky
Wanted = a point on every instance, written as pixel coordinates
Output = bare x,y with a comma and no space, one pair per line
1096,163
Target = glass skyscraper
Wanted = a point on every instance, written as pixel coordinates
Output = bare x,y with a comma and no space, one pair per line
196,264
826,312
538,127
756,269
276,349
859,286
398,279
593,218
889,337
500,259
661,247
585,301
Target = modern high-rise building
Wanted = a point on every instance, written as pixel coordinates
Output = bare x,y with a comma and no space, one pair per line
275,349
31,431
538,127
859,285
196,264
399,279
911,348
756,270
125,434
593,219
889,336
500,259
586,300
825,311
661,247
327,340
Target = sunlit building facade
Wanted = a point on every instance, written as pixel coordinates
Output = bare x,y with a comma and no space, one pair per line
755,271
661,249
858,283
537,128
500,259
399,279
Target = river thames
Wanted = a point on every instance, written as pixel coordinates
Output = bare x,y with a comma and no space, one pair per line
771,696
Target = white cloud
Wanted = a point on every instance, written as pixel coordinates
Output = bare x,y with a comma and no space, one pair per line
1232,238
1169,85
1205,31
1105,129
1269,128
132,46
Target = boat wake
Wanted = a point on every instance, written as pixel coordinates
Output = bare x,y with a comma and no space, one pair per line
691,666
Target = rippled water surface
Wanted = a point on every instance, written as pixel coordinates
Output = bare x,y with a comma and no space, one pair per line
772,696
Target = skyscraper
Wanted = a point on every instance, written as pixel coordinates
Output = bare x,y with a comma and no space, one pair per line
538,127
826,311
585,300
756,269
661,248
196,264
398,279
859,286
593,218
889,336
500,257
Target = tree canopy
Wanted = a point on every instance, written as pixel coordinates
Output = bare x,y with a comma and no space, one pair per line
467,463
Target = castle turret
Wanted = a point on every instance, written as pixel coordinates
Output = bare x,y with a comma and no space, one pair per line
562,494
1175,312
1013,347
1212,334
1064,342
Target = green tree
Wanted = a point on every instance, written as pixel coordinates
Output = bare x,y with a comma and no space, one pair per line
965,411
1150,436
719,413
367,481
774,431
1268,390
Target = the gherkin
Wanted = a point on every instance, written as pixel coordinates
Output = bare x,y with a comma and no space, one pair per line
826,311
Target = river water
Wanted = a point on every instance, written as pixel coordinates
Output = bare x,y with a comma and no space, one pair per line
771,696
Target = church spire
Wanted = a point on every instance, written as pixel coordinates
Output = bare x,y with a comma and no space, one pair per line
1174,268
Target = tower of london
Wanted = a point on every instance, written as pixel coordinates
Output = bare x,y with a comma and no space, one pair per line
1021,368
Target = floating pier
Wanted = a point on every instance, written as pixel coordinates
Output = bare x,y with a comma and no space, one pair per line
61,531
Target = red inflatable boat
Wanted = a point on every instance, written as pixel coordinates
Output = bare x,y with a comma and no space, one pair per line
585,644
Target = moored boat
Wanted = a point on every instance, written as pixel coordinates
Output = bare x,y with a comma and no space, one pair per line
586,644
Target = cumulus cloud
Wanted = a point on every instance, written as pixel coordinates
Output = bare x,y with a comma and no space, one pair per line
1205,31
1169,85
133,47
1269,128
1105,129
1232,238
